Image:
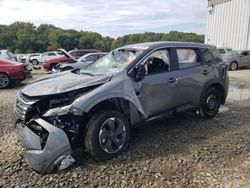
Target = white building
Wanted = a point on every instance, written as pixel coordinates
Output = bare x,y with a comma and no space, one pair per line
228,24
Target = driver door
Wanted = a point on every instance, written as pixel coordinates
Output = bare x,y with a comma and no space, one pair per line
159,90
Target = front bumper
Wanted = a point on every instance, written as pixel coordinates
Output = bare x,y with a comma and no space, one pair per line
46,66
44,158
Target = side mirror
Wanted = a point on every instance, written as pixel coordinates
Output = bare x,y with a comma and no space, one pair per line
140,72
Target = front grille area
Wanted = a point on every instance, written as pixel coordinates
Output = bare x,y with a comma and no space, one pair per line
23,106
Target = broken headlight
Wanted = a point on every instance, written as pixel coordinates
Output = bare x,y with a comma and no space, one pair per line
59,111
63,117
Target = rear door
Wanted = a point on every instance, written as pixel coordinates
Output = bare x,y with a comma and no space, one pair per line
193,74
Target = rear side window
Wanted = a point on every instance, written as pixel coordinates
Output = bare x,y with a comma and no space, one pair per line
188,58
51,54
210,55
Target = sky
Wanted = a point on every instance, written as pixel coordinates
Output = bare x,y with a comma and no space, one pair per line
110,17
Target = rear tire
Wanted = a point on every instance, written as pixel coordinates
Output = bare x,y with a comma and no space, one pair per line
233,66
107,135
210,103
4,81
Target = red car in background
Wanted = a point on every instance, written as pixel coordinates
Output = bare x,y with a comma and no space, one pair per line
12,71
67,58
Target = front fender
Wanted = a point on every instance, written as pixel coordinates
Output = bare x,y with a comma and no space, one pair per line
123,90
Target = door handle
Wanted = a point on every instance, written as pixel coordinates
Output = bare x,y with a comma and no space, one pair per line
172,80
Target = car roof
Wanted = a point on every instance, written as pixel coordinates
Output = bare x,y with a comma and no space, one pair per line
152,45
93,53
88,54
51,52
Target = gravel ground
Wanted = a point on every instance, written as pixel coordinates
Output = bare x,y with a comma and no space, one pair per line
184,151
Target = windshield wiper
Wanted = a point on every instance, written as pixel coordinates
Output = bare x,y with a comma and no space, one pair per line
78,71
87,73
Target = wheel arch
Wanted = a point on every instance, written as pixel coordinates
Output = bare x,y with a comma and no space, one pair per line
125,106
218,86
5,73
34,59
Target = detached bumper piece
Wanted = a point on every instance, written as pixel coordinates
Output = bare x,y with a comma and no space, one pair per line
47,147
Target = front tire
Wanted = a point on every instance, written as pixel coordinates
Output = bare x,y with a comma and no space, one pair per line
34,62
4,81
107,135
210,103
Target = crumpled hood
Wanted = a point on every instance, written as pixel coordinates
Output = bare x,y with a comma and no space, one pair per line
61,83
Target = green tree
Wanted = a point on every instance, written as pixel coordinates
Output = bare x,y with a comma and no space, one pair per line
22,37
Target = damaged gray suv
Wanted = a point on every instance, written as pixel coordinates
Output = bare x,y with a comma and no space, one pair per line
93,110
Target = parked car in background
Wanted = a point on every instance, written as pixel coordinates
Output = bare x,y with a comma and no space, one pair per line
81,52
94,109
12,71
26,57
7,54
236,59
48,65
224,50
81,62
35,60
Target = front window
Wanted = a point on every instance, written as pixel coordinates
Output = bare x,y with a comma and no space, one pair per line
158,62
113,62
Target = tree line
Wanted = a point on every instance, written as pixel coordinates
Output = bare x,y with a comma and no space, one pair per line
23,37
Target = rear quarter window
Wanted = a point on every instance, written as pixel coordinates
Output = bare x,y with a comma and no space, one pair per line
210,55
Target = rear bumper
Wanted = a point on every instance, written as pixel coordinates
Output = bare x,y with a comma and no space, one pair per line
43,158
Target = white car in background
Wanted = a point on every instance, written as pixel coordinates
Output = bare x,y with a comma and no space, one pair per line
35,60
